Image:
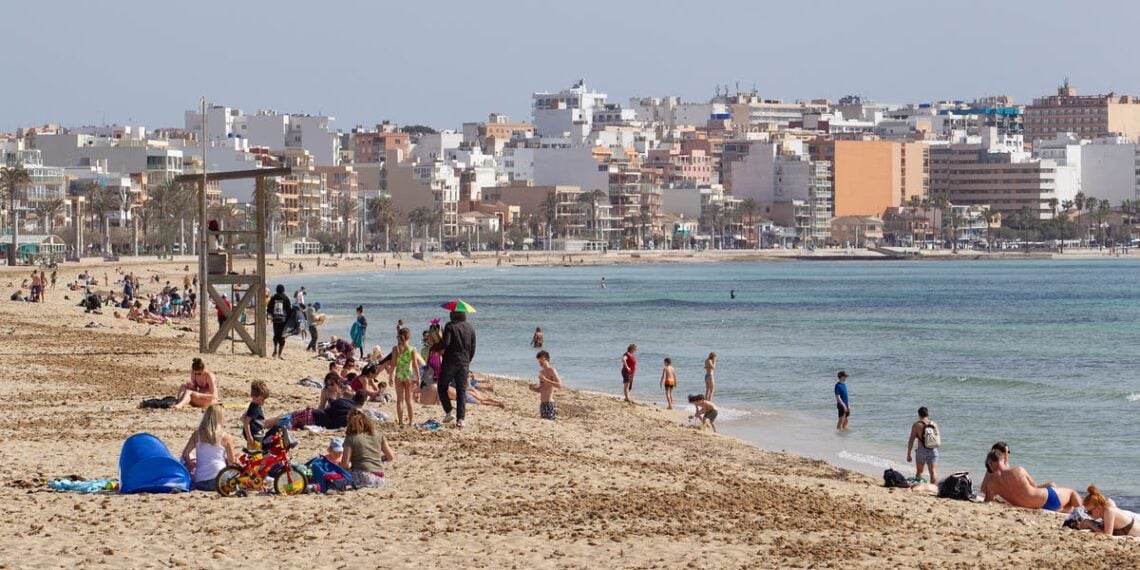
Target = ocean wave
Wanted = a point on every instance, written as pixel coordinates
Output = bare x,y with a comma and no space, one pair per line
865,459
1133,397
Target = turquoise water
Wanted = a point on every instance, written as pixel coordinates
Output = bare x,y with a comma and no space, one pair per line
1041,354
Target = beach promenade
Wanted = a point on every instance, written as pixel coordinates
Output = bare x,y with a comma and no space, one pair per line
607,485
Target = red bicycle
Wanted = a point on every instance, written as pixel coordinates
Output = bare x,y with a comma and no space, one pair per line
257,465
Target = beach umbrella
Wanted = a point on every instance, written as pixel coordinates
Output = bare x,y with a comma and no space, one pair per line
458,306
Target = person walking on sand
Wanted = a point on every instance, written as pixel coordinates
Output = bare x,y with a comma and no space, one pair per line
359,330
1016,487
710,371
929,439
841,402
315,318
628,369
548,382
705,411
279,310
668,382
458,346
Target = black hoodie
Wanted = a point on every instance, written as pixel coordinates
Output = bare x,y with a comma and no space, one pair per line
458,342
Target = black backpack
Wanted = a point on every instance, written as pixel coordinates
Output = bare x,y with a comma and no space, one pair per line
892,478
956,486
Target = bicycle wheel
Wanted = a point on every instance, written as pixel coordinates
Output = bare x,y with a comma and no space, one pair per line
290,482
227,483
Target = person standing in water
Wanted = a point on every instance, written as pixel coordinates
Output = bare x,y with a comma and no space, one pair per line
668,382
536,340
710,370
603,282
841,402
628,369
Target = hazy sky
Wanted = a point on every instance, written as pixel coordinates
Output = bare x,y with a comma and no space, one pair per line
80,62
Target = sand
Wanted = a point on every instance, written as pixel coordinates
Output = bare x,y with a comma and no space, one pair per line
608,485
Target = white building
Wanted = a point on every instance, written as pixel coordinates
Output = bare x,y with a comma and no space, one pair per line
569,112
1110,170
272,130
156,158
1065,152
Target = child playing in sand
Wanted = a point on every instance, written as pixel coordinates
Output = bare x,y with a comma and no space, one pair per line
253,420
706,410
668,382
548,382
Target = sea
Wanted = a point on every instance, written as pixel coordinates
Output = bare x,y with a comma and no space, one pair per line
1041,354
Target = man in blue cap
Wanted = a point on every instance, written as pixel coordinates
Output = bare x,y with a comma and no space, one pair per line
314,317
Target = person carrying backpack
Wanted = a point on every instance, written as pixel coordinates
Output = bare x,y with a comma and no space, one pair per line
929,439
279,310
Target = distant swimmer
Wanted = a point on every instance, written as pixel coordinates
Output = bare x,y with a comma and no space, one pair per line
732,294
603,282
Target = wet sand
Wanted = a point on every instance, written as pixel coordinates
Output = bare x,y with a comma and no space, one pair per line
607,485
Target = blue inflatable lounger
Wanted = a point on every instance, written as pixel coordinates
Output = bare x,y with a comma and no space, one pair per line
146,466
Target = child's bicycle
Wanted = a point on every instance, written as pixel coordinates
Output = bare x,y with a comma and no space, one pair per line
259,464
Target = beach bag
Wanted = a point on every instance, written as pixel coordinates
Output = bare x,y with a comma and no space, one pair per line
892,478
956,486
329,476
931,439
279,315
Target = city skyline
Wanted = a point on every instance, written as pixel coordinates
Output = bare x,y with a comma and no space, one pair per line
84,64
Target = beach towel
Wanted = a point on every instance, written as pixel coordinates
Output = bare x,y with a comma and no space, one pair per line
91,486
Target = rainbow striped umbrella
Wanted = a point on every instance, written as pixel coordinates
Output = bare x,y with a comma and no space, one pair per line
458,306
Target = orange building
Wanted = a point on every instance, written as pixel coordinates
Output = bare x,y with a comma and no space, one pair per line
869,176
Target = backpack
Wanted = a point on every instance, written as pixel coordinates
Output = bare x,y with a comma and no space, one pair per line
328,476
279,315
892,478
931,439
956,486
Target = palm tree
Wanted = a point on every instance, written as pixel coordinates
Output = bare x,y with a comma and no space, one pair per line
48,210
228,215
749,208
168,205
383,214
942,203
101,201
1079,202
550,210
12,180
1103,210
591,199
990,215
346,211
420,217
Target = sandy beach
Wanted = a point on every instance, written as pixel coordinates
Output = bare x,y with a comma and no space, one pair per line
607,485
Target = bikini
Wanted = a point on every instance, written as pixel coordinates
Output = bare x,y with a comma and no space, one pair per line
1125,530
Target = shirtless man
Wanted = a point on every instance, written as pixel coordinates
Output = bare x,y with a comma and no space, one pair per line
548,382
1017,488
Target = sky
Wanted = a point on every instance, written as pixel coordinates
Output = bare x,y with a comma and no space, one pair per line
444,62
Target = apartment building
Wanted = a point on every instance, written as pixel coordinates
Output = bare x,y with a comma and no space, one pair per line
370,147
1088,116
973,174
869,176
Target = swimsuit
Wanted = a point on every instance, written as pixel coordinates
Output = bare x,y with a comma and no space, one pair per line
1053,503
711,415
547,411
670,383
1124,530
404,366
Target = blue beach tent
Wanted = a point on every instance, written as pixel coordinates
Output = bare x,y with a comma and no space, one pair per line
146,466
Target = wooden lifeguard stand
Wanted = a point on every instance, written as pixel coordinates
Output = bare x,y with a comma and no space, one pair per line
212,274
